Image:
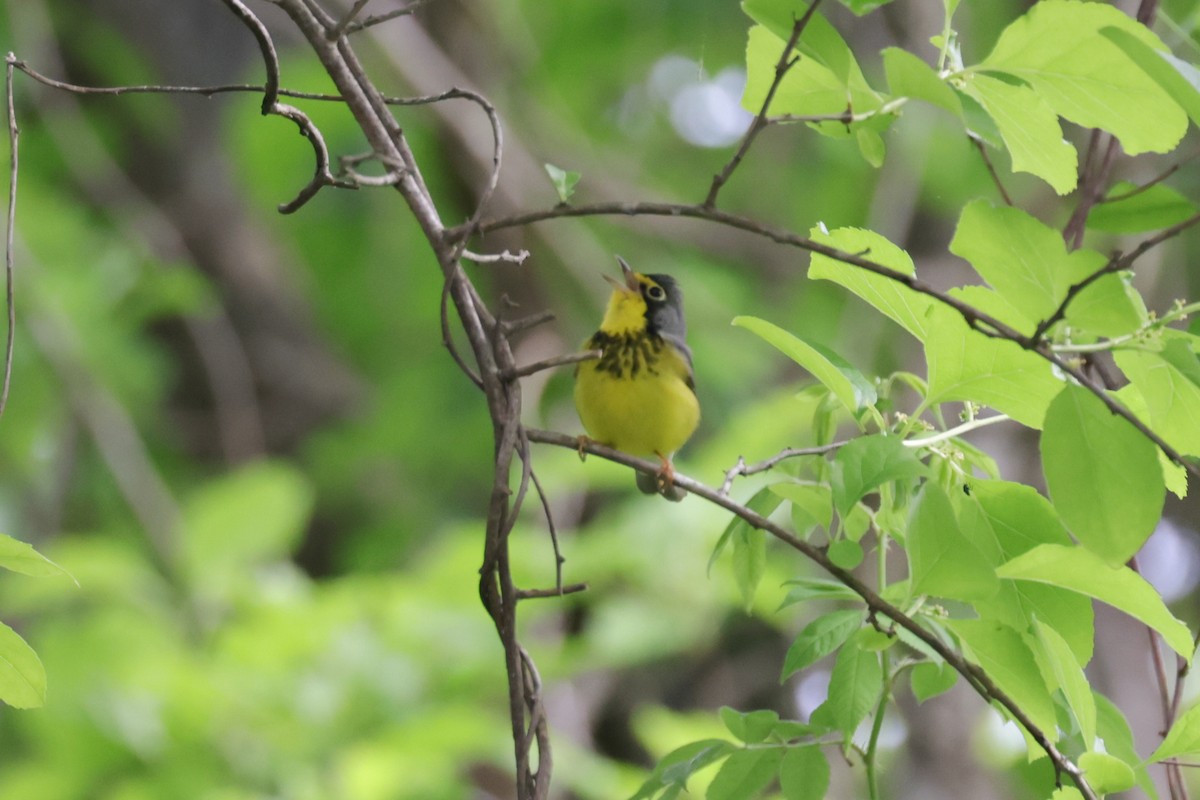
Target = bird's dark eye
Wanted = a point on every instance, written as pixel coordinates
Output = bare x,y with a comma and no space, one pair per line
656,293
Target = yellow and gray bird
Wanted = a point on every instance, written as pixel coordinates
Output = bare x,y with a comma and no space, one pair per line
640,396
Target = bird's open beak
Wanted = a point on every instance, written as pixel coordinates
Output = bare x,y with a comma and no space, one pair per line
631,282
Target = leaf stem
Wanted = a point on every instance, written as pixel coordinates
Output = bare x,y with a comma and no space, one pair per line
958,430
1111,344
872,752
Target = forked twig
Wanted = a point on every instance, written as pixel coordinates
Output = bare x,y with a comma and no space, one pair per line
742,469
376,19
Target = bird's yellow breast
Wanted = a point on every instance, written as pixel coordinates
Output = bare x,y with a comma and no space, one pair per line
638,397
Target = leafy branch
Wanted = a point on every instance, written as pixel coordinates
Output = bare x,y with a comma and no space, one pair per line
976,318
979,680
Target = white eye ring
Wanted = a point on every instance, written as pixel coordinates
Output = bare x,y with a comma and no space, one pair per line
656,293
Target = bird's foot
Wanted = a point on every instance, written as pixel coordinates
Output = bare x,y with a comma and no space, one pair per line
664,481
665,477
582,442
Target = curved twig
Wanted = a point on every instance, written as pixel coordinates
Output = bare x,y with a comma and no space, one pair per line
322,176
270,105
558,556
266,46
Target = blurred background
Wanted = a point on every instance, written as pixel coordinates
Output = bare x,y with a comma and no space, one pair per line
242,435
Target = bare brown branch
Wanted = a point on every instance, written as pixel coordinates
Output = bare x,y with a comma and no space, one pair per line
741,468
376,19
981,146
786,61
9,300
557,361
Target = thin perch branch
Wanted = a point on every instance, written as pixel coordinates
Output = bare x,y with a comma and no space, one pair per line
557,361
9,298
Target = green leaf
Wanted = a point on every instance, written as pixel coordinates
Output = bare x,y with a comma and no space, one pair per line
749,561
969,366
250,516
870,145
1024,260
1008,661
846,382
1177,77
942,561
1102,475
1031,269
1110,306
1068,676
820,41
22,677
804,774
1081,570
788,729
854,687
564,182
751,727
1172,397
1182,739
764,502
679,765
812,504
893,299
1113,728
1066,793
1057,48
866,463
820,638
909,76
1177,351
745,773
1150,209
873,640
846,553
1174,476
1030,130
861,7
810,588
20,557
1004,520
1105,773
929,679
856,523
807,89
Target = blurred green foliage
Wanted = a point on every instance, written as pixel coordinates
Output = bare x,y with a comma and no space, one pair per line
310,626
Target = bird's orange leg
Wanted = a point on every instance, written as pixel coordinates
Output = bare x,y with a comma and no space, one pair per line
581,442
666,473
